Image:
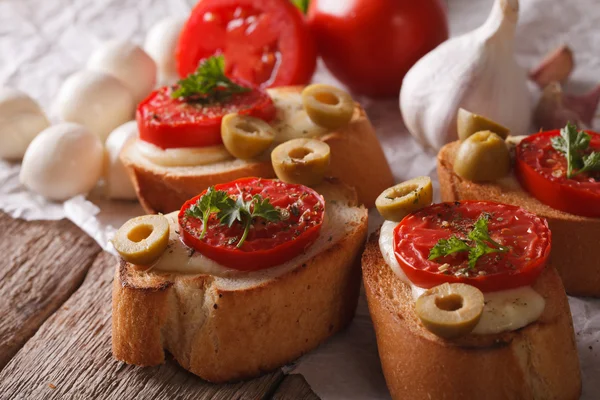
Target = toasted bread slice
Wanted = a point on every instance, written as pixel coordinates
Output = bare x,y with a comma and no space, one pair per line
574,238
538,361
239,325
357,159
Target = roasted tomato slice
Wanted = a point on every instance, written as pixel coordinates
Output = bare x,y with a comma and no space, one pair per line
168,123
268,243
265,42
526,236
541,170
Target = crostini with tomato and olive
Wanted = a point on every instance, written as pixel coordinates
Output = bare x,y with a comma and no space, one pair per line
464,302
243,279
555,174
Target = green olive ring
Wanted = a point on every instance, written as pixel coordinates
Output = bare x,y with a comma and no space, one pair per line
450,310
246,137
327,106
142,240
400,200
482,157
302,161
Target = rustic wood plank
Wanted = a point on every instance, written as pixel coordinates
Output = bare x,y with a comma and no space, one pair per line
42,264
70,357
294,387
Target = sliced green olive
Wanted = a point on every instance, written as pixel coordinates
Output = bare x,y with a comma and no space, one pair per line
303,161
400,200
450,310
142,240
327,106
482,157
468,123
246,137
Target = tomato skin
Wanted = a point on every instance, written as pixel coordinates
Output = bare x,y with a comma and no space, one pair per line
573,196
369,45
528,236
266,253
268,43
173,123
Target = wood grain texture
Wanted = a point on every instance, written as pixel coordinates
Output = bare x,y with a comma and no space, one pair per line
42,264
70,357
294,387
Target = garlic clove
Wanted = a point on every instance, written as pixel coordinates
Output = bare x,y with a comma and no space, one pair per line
476,71
555,108
555,67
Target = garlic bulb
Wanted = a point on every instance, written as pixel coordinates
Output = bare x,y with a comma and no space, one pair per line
160,44
476,71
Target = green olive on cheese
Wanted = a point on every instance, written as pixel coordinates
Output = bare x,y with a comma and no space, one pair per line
302,161
400,200
482,157
142,240
468,123
327,106
450,310
246,137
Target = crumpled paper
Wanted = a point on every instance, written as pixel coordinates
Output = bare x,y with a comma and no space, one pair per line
43,42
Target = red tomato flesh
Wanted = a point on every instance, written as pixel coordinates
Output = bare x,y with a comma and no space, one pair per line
169,123
265,42
268,243
527,236
541,170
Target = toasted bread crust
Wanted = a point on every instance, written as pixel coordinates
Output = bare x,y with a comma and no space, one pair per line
538,361
353,148
574,238
223,334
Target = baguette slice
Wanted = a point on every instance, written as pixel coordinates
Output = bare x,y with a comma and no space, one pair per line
574,238
227,328
538,361
357,159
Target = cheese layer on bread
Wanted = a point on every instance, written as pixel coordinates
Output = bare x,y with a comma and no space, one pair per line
504,310
291,121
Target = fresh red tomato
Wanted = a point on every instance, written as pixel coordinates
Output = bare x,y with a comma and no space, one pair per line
265,42
526,236
268,243
168,123
541,170
369,45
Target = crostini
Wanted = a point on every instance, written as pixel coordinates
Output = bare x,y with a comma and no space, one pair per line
186,144
465,305
537,175
246,277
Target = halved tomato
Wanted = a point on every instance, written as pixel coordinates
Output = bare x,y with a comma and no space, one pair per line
265,42
170,123
268,243
541,170
526,236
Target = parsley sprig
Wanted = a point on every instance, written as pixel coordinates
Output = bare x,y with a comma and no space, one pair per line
478,243
574,145
208,84
229,210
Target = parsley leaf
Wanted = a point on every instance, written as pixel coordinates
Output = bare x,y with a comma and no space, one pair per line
591,162
212,201
302,5
480,238
572,143
208,84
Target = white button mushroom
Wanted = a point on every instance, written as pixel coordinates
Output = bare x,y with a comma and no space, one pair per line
21,119
63,161
128,63
98,101
160,44
118,184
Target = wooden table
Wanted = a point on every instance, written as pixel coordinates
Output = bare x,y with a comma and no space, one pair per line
55,318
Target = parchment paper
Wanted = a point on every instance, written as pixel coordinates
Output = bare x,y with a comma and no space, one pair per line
43,42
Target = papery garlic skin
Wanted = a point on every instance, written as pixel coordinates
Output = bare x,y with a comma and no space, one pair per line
21,119
476,71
